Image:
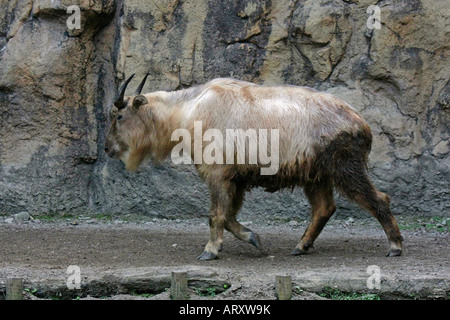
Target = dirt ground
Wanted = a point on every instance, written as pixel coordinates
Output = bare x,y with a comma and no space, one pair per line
130,259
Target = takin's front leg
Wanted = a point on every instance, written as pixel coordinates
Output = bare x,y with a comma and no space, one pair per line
216,226
226,199
220,201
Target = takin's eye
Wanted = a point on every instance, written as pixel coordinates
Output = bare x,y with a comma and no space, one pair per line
119,117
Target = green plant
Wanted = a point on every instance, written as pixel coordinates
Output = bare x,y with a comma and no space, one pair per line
30,291
209,292
143,295
336,294
438,223
297,289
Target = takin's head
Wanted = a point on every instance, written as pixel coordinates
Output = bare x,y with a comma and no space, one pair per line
128,138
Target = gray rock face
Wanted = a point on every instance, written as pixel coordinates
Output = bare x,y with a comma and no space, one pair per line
57,87
48,109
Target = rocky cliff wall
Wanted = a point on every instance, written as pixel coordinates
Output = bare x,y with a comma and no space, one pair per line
57,85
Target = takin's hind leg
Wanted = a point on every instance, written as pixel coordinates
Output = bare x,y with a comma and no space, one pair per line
378,204
362,191
323,207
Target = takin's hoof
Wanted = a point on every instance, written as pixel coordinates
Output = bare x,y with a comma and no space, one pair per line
394,253
205,256
298,252
254,240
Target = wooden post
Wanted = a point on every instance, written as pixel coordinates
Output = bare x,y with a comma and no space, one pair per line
14,289
179,288
283,287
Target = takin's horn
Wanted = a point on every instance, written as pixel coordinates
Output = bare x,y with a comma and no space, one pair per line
119,103
141,85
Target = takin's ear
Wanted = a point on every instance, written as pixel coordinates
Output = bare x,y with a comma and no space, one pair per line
139,101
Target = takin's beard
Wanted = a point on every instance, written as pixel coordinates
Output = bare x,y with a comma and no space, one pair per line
138,152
